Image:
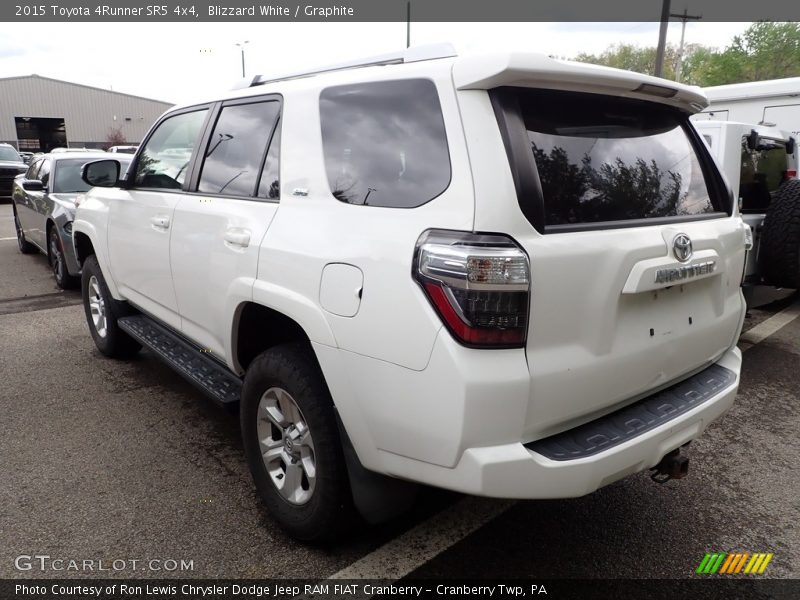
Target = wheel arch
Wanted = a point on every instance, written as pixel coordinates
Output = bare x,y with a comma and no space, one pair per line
257,328
83,246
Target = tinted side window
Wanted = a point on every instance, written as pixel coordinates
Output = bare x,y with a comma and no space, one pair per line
44,172
33,170
384,143
165,158
269,187
236,148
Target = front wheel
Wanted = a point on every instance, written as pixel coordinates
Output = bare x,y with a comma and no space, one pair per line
102,312
58,262
292,444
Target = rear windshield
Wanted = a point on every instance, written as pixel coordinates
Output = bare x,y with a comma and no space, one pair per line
602,159
763,172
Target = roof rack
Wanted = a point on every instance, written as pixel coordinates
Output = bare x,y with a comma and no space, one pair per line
409,55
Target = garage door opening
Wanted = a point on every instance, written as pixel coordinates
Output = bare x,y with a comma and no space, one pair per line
40,134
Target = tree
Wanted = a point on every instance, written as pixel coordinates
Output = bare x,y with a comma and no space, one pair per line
764,51
115,137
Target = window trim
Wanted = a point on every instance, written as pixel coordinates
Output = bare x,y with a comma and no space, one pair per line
444,127
508,111
129,182
216,111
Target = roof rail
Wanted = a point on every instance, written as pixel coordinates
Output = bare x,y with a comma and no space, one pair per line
408,55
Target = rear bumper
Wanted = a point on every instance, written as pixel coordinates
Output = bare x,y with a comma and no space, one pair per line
515,471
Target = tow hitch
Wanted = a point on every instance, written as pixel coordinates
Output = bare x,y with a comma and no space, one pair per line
673,466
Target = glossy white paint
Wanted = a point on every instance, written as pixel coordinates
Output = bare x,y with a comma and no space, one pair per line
139,230
214,259
340,289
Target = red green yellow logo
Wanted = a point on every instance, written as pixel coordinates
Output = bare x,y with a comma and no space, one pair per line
734,563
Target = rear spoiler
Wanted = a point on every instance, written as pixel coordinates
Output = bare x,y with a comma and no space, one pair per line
522,69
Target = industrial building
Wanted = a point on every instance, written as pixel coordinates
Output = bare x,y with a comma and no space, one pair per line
39,113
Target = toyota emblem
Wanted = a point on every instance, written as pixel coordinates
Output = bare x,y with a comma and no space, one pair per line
682,247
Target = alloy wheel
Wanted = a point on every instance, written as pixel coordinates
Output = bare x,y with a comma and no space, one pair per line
97,307
287,447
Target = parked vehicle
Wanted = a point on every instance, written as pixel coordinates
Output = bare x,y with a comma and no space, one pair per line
123,149
772,103
504,275
61,150
760,164
44,201
11,165
26,157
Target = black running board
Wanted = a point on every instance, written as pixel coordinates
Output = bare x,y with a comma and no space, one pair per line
207,374
634,420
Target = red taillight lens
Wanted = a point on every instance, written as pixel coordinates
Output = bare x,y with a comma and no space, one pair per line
479,284
791,174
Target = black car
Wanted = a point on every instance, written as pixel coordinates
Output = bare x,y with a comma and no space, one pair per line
11,165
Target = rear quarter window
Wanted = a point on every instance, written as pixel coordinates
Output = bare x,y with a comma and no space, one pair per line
384,143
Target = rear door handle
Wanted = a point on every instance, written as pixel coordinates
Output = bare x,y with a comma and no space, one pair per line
237,236
160,221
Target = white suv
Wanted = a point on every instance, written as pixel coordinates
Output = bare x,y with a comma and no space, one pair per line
504,275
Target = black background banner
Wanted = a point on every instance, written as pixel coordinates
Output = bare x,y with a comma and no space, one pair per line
390,10
707,588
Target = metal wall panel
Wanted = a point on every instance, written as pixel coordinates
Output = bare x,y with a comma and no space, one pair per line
89,113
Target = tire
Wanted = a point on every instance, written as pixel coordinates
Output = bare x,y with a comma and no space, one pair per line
286,383
24,246
102,312
55,255
779,254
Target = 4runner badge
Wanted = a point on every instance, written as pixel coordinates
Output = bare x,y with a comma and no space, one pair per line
682,247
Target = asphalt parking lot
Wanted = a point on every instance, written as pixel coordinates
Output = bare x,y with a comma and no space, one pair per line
124,460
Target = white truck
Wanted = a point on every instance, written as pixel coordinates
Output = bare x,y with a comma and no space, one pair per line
760,164
504,275
772,103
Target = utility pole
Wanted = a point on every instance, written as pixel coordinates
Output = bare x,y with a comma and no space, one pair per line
683,18
408,23
242,45
662,38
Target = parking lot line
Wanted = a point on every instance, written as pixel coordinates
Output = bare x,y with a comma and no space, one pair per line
417,546
402,555
768,327
8,239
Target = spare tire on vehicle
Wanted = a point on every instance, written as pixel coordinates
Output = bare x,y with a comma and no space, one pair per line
779,252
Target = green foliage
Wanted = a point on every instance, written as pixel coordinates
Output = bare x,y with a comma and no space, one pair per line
764,51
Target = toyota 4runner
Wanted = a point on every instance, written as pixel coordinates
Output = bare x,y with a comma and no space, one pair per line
504,275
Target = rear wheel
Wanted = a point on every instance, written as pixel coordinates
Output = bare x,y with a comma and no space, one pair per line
24,246
102,312
779,252
55,253
292,444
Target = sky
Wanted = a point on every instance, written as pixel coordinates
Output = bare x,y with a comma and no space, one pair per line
179,62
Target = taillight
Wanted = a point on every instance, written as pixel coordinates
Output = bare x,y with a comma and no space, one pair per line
478,283
790,174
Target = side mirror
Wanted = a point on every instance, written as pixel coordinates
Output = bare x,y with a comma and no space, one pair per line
32,185
753,140
101,173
